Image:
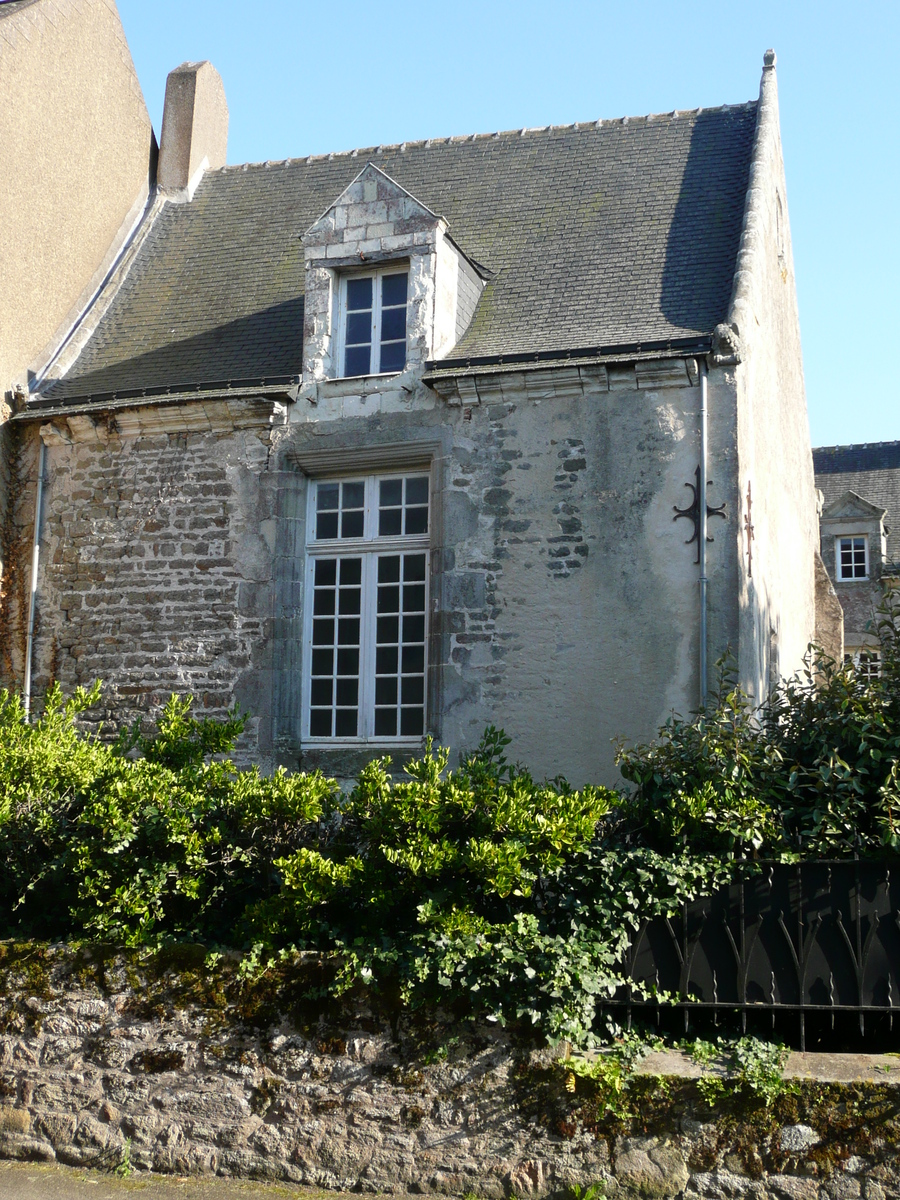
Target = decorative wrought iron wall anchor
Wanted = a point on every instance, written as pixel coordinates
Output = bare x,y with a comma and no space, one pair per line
692,512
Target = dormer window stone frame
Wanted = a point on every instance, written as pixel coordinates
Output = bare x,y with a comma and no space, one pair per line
372,225
852,517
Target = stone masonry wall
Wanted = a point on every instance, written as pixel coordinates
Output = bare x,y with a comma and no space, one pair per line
179,1068
156,568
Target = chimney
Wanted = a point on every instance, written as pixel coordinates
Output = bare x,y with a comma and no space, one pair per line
195,128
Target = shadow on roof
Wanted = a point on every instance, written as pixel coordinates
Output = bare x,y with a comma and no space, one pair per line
702,247
266,344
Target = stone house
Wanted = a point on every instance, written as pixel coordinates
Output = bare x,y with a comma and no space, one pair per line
499,429
77,164
859,488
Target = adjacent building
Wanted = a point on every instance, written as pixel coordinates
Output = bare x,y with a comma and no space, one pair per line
860,537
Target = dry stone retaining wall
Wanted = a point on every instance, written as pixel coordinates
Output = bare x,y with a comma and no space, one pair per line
174,1067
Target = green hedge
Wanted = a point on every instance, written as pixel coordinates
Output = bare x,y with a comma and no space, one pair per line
478,886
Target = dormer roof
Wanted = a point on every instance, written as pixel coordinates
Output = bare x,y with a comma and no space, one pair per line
609,234
850,506
374,185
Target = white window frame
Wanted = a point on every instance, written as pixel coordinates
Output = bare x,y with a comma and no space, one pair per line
865,660
370,547
375,274
838,568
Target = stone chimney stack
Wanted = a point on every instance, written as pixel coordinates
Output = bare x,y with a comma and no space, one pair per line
195,127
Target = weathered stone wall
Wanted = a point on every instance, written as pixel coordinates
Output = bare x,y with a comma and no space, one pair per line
565,597
156,568
185,1070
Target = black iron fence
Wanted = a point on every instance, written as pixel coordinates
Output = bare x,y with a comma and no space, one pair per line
811,945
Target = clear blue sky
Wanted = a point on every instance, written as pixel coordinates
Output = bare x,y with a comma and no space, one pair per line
312,78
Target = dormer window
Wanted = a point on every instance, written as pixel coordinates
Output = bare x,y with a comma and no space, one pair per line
373,322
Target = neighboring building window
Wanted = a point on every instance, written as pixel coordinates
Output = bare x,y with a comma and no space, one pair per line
867,663
373,322
367,622
852,556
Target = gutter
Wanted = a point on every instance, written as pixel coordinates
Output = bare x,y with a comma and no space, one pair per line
703,515
448,368
281,387
32,593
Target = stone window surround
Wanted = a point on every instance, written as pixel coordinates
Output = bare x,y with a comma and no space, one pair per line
322,360
339,461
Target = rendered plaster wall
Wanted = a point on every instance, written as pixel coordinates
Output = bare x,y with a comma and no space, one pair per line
778,617
566,600
171,1064
75,150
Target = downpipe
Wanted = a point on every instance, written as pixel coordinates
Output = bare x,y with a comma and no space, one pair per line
702,533
32,595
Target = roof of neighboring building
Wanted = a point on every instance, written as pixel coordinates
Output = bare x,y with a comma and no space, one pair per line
8,7
613,233
872,470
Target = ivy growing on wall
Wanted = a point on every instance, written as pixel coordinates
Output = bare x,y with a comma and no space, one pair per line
478,887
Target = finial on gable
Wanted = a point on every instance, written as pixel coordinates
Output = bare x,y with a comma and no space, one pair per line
769,60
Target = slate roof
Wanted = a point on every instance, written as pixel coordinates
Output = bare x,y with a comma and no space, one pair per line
614,233
872,470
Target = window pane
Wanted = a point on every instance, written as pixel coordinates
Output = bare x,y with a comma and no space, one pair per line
352,524
386,660
323,605
389,522
412,721
414,597
322,662
414,628
326,525
393,358
359,329
347,692
385,722
388,631
417,490
385,691
321,692
413,660
345,722
351,571
393,289
388,598
359,293
393,326
348,631
356,360
353,495
413,689
320,723
389,568
348,604
416,520
390,492
327,496
323,632
326,572
348,662
413,567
